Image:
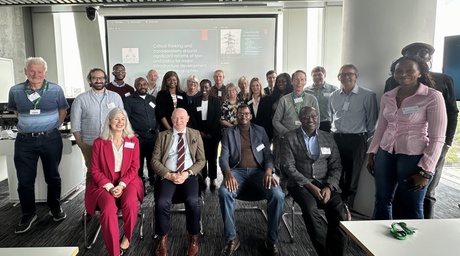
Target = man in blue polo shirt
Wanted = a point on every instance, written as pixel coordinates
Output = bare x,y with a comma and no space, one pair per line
41,107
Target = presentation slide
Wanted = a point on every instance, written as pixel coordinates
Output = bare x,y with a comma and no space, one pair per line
238,45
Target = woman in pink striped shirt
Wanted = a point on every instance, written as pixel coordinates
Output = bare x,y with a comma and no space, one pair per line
408,140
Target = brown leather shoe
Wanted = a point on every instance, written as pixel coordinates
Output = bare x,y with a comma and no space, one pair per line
231,247
162,246
193,246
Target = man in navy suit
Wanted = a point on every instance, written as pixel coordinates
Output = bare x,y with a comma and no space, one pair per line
246,160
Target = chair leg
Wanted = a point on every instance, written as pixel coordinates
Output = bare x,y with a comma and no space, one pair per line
85,233
201,217
141,229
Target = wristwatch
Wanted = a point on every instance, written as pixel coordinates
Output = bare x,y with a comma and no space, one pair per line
426,175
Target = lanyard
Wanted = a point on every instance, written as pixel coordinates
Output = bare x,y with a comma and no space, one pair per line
295,104
35,103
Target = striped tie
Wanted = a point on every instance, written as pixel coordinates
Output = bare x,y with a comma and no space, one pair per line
180,154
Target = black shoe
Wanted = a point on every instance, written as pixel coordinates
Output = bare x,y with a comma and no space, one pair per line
231,247
272,249
212,184
25,223
58,216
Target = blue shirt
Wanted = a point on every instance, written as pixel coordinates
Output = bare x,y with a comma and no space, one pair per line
356,112
312,144
50,102
89,112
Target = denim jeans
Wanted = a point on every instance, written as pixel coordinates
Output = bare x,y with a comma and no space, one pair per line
27,150
274,195
390,173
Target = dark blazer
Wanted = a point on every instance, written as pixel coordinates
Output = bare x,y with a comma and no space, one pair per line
102,170
444,84
297,165
230,153
212,124
165,106
163,145
267,91
264,115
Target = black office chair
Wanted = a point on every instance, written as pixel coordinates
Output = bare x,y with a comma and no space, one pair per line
177,199
96,234
250,194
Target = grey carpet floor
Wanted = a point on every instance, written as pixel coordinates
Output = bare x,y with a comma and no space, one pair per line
250,225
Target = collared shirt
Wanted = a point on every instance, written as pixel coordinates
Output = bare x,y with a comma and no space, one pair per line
312,144
50,102
322,95
171,162
141,113
418,127
354,113
88,113
154,91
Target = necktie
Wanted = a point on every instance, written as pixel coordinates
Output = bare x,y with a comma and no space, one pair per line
180,153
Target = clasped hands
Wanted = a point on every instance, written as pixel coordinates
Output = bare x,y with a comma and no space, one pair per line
323,195
177,177
117,191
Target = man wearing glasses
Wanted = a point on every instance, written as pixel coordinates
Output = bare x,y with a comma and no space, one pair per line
311,161
118,85
444,84
354,113
246,161
88,113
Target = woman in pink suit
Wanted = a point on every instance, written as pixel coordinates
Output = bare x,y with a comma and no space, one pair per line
114,180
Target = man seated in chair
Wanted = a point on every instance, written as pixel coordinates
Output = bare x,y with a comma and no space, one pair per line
177,159
246,160
311,162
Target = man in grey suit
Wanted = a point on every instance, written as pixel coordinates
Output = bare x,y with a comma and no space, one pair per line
311,161
246,161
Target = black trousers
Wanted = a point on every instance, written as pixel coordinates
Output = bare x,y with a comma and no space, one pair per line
210,151
330,240
352,149
146,147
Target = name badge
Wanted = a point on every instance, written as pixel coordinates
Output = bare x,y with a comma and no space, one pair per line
219,93
260,147
410,110
180,97
34,112
250,102
297,122
129,144
325,151
345,106
34,96
152,104
127,94
111,105
298,100
198,109
326,94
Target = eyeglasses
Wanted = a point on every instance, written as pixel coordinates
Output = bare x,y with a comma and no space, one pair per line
244,114
310,116
417,52
347,74
96,78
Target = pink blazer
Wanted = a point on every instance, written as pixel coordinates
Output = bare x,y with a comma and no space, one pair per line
102,170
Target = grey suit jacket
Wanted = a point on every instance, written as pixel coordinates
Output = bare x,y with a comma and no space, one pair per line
163,144
230,153
300,169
